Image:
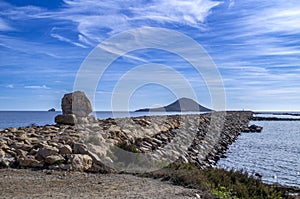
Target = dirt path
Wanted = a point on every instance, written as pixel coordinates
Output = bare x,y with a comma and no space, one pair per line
53,184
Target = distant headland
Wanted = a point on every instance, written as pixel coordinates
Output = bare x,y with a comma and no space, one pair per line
180,105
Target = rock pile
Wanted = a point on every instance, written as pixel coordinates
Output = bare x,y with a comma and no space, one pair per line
51,146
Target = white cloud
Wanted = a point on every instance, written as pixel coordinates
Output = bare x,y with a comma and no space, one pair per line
37,87
95,19
10,86
61,38
231,3
191,12
4,26
280,18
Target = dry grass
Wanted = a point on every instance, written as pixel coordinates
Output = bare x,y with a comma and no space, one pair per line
219,182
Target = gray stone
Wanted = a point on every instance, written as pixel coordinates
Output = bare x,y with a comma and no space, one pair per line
184,159
79,162
12,130
66,119
82,120
6,159
25,147
65,149
80,148
52,159
22,137
30,161
21,152
47,151
76,103
157,141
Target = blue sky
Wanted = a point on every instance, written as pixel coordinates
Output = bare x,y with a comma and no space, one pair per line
254,44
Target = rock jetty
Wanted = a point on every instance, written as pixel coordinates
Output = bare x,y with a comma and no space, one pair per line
69,147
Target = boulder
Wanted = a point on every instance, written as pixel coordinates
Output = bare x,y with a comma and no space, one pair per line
79,148
79,162
52,159
69,119
30,161
76,103
65,149
47,151
6,159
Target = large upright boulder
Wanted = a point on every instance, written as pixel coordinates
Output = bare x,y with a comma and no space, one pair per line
76,103
75,107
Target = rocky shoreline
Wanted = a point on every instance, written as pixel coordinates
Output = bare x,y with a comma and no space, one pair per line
199,139
59,155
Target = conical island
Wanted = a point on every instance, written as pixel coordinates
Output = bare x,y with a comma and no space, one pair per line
181,105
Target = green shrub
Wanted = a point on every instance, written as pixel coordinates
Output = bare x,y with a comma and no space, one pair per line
128,147
221,183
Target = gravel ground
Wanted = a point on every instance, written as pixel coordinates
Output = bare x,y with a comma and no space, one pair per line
24,183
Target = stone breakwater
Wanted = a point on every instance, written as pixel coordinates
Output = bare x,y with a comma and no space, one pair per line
101,144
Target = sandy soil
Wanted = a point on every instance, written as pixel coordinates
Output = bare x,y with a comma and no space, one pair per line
24,183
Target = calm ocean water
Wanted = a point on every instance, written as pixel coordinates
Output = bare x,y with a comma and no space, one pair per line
26,118
274,153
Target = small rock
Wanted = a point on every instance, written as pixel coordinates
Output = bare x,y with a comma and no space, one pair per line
33,151
65,149
25,147
12,152
4,146
82,120
52,159
157,141
12,130
6,159
79,162
21,152
80,148
47,151
184,159
30,161
22,137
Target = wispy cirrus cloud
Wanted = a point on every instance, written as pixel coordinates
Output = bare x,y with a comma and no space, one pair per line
64,39
108,17
10,86
4,26
37,87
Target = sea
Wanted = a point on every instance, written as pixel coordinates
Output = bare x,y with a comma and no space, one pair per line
274,153
38,118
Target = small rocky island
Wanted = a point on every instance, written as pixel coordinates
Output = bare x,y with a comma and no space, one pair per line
180,105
